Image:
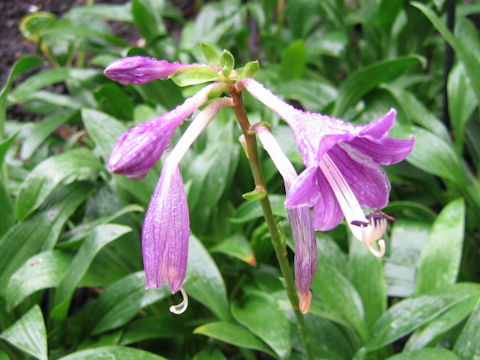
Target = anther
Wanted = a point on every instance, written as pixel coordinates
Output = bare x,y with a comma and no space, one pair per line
180,308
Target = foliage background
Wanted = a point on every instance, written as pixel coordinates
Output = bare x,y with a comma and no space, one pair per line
71,278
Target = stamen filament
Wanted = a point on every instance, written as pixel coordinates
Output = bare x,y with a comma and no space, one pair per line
180,308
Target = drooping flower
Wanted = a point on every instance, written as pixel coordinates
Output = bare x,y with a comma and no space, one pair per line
138,149
138,70
342,174
300,219
166,228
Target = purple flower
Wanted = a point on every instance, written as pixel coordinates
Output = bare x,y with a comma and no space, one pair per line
300,219
166,228
138,70
342,173
139,148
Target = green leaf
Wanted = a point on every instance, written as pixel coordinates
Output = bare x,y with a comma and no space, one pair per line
8,215
39,232
34,134
102,235
227,62
36,82
417,112
233,334
42,271
144,21
432,154
409,314
194,74
425,335
366,274
210,54
468,342
406,243
110,12
154,327
237,246
261,315
22,65
336,299
366,79
29,334
115,101
113,353
204,281
257,194
461,103
33,26
425,354
441,254
105,131
463,52
251,210
250,69
293,61
47,175
117,305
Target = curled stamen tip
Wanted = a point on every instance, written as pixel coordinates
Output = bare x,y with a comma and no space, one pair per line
180,308
377,253
305,301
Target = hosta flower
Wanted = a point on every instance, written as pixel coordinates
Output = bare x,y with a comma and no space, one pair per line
342,173
300,219
138,70
166,228
139,148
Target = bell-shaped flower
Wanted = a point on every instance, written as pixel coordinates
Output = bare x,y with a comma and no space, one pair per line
166,228
343,172
300,219
138,149
138,70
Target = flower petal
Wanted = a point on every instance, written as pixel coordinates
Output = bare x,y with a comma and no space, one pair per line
140,69
304,190
141,147
327,211
166,231
366,178
380,128
386,151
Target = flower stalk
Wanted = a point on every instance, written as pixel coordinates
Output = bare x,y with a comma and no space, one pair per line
278,246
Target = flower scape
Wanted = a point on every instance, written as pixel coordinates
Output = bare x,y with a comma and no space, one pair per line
343,177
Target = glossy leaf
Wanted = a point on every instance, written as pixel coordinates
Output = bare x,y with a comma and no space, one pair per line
425,354
145,21
467,345
112,353
102,235
261,315
22,65
29,334
251,210
211,55
154,327
204,281
194,74
35,134
411,313
368,278
115,101
47,175
364,80
432,154
233,334
42,271
426,334
236,246
441,254
39,232
471,63
293,61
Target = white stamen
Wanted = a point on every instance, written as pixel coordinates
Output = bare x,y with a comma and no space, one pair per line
195,129
180,308
371,229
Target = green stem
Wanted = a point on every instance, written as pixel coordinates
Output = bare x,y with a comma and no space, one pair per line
278,244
